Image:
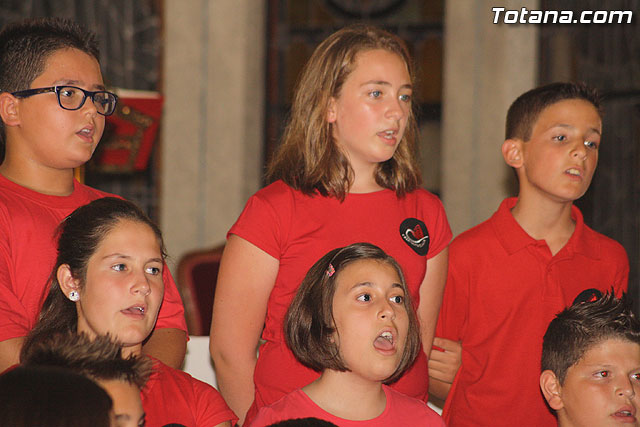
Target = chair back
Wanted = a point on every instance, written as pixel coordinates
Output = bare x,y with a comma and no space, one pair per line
197,276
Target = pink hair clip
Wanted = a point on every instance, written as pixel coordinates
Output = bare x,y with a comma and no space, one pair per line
330,270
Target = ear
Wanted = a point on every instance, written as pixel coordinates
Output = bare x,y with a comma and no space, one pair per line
332,113
66,280
551,389
512,152
9,109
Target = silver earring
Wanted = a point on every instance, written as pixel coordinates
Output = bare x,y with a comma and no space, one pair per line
74,296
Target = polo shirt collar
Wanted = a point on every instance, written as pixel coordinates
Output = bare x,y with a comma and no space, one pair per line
513,237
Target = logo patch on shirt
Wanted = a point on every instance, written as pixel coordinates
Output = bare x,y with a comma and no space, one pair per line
588,295
416,235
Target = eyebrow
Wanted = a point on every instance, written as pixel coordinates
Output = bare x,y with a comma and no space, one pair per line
116,255
397,285
385,83
566,126
65,82
370,285
123,256
599,365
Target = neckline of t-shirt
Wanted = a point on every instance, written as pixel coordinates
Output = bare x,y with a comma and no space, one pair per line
514,237
45,199
382,414
383,192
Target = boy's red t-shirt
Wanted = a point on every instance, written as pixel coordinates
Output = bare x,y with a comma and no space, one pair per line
503,289
28,222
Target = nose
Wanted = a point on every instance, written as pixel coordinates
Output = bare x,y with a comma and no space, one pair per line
140,285
395,110
89,106
579,151
386,310
626,388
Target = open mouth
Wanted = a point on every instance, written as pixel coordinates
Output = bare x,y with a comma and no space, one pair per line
388,134
384,341
625,413
135,310
86,133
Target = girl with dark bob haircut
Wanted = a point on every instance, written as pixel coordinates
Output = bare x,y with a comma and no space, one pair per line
353,320
309,325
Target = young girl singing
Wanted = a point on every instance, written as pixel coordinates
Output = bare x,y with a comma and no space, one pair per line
353,320
345,172
108,280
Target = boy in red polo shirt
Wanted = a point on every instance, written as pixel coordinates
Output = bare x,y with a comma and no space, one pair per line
511,274
53,105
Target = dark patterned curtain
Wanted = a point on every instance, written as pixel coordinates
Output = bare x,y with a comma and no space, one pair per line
128,32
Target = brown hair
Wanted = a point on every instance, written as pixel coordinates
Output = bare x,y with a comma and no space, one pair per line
308,158
309,324
584,325
52,397
99,359
525,110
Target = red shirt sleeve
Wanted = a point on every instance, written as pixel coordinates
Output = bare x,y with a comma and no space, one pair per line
454,309
212,409
438,221
14,316
172,311
261,221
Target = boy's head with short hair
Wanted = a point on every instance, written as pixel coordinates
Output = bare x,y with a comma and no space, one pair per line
26,45
101,360
303,422
52,397
552,137
591,363
46,52
525,110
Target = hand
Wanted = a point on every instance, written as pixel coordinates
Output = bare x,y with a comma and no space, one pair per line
444,363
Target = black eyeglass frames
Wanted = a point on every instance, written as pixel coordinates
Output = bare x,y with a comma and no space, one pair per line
73,98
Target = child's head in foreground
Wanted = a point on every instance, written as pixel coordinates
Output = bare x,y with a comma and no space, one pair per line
356,65
101,360
353,313
552,137
303,422
48,396
61,58
591,363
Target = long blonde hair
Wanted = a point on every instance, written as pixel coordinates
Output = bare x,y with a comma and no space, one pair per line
308,159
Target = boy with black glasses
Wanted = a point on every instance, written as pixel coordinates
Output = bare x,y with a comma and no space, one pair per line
53,105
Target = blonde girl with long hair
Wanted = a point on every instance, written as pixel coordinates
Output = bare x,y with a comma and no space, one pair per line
345,172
